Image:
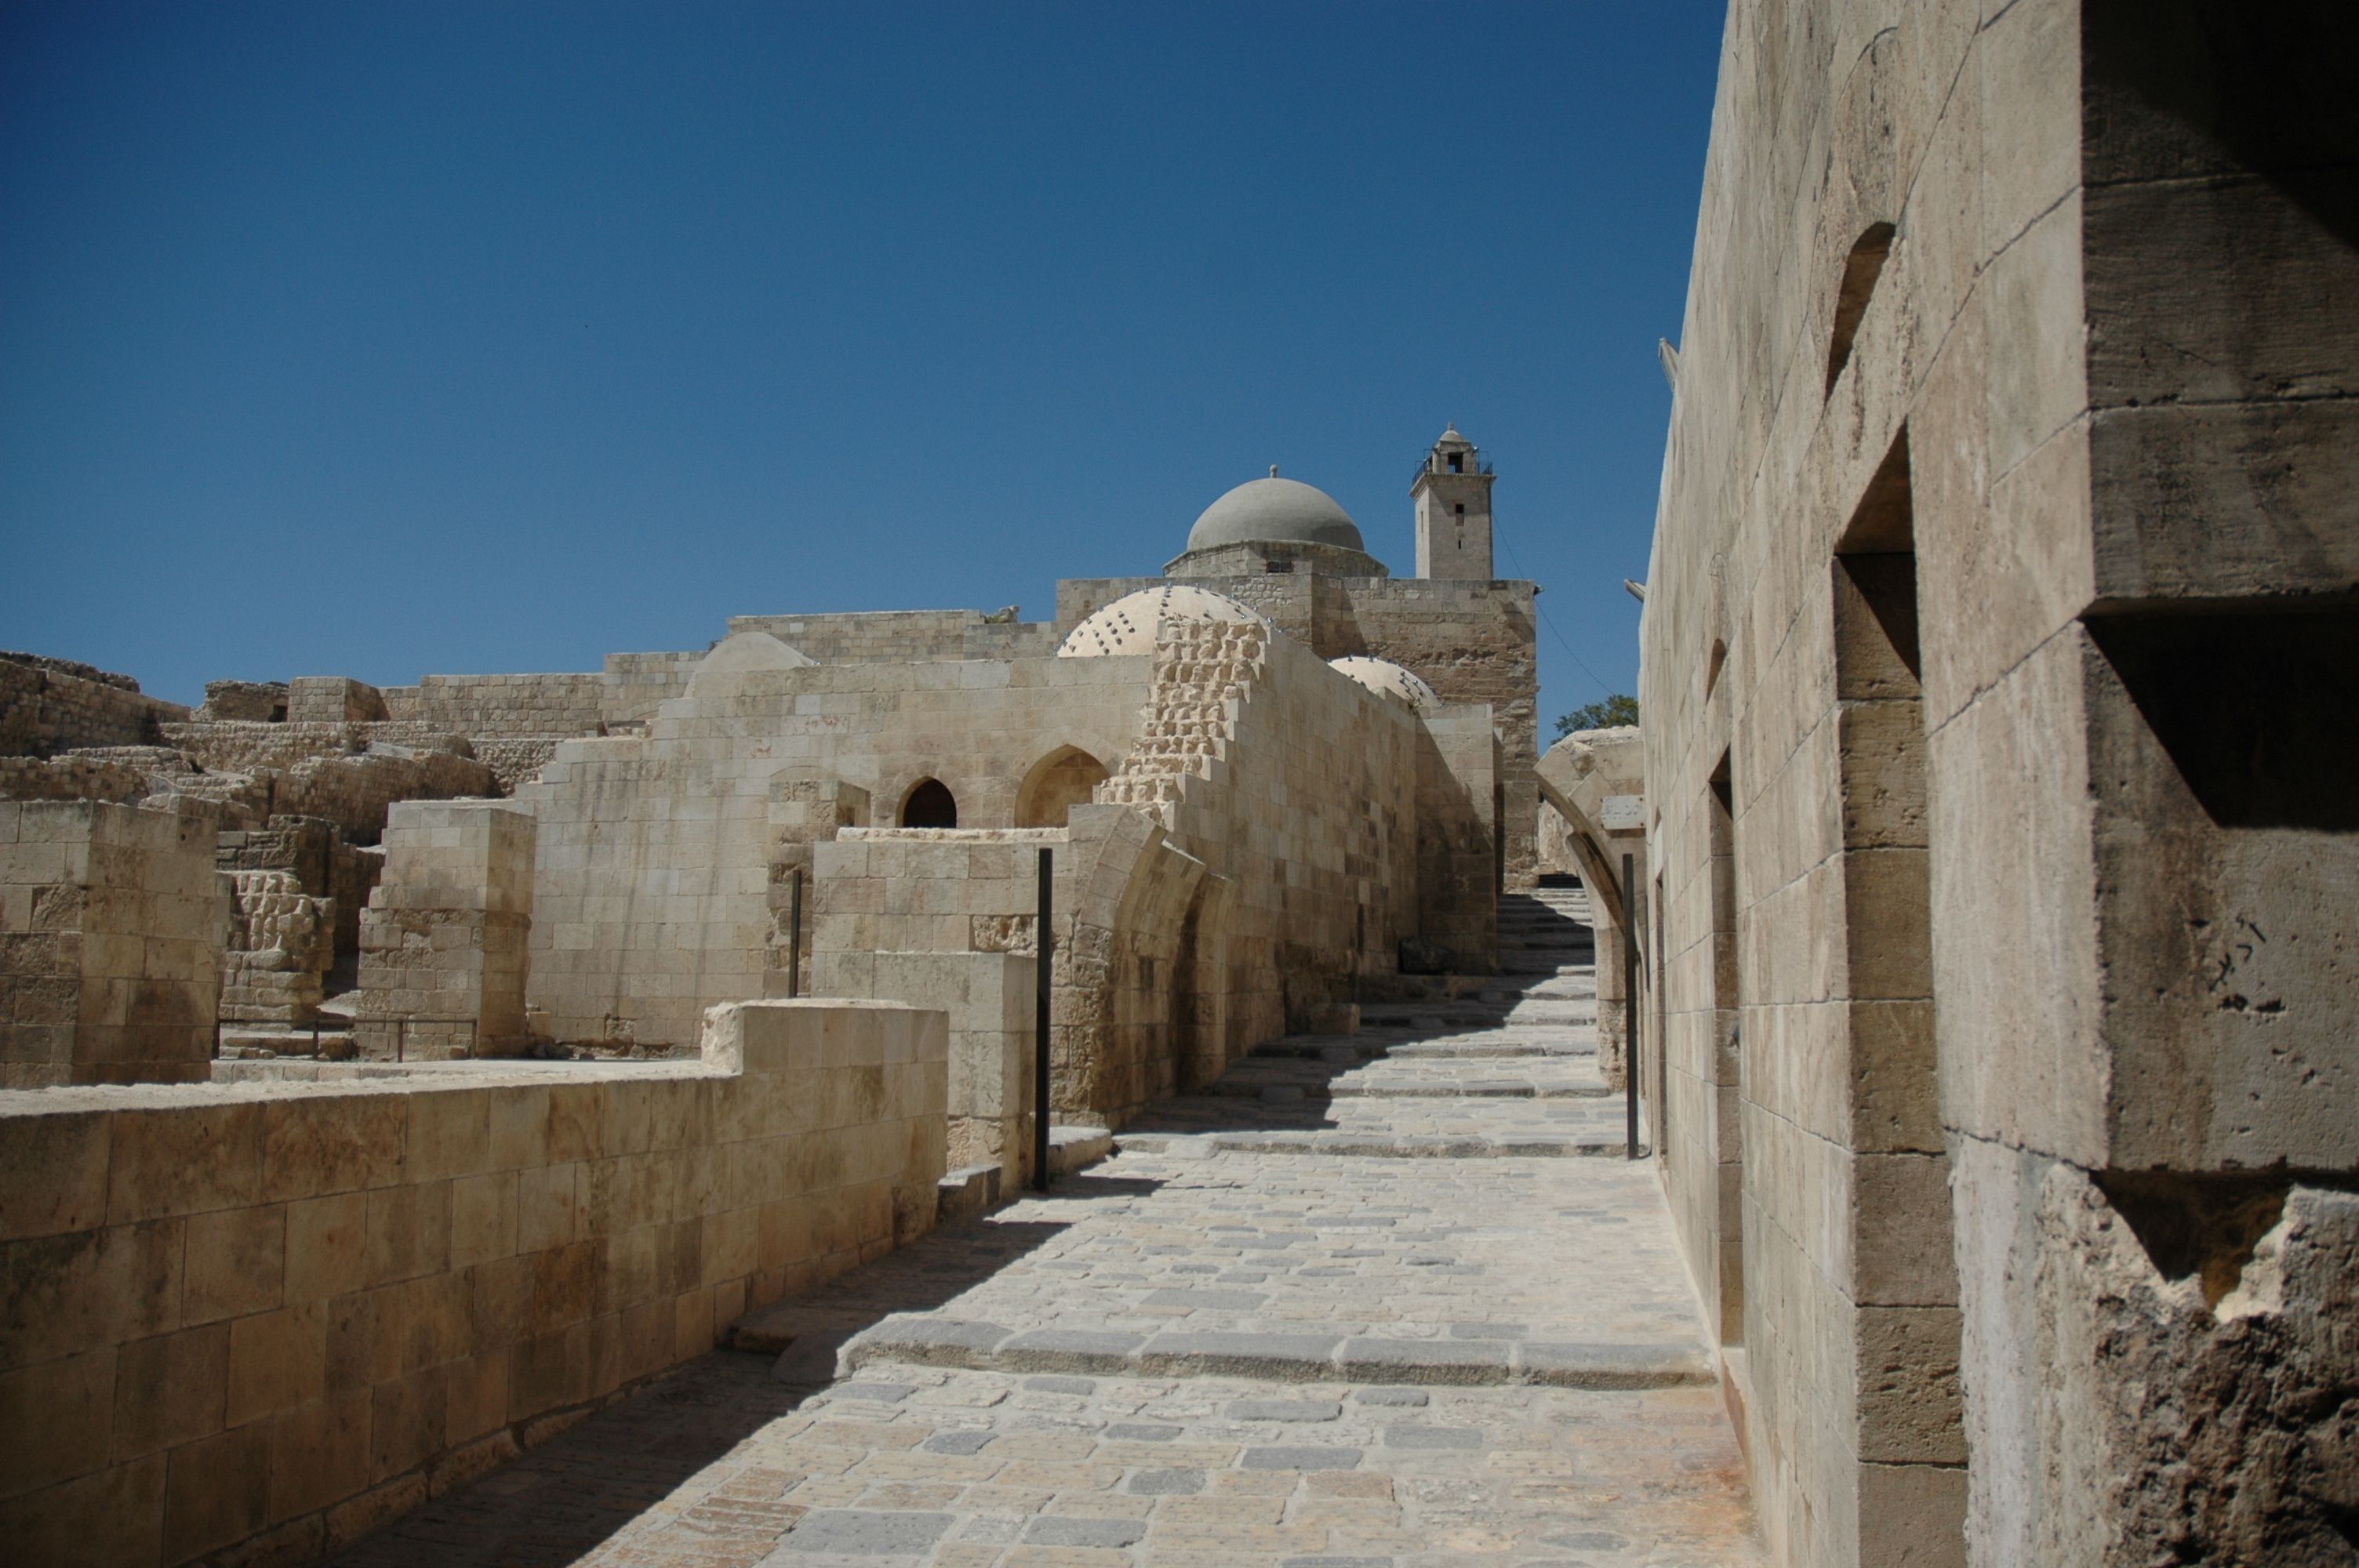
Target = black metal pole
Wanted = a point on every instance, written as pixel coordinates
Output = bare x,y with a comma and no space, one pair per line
1041,942
1629,1007
795,935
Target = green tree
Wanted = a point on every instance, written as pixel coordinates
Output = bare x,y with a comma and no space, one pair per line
1616,709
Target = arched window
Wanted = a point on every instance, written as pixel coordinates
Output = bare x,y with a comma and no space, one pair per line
1058,782
931,805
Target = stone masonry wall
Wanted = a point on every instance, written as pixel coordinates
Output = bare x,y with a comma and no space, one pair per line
45,708
1472,641
272,1316
111,928
902,636
444,941
656,854
1298,787
502,707
1997,745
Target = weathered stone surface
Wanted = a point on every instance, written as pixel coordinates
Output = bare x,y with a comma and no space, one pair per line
1998,857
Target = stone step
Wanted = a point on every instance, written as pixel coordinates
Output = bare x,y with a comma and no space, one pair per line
1338,1143
932,1339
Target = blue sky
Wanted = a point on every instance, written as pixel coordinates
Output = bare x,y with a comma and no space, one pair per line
386,340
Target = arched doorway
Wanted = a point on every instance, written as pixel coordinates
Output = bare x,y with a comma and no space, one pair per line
931,805
1057,783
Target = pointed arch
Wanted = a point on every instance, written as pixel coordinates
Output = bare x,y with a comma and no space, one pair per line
929,803
1055,784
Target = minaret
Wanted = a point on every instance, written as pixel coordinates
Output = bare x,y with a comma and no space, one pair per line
1453,510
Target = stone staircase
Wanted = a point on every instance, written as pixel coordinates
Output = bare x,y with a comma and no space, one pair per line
1506,1067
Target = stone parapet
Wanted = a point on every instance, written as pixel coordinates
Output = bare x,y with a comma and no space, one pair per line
272,1315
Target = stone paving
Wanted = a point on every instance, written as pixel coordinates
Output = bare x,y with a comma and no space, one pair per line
1199,1353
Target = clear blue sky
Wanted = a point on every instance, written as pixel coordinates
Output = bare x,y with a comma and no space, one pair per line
383,341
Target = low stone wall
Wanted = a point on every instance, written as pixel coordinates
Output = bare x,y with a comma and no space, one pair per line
988,998
282,1313
241,747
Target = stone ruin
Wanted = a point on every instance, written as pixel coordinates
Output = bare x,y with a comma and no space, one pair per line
549,1023
281,943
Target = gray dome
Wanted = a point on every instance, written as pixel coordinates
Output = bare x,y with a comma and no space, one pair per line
1275,509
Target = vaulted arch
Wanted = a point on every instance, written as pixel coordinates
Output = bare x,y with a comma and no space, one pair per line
1056,784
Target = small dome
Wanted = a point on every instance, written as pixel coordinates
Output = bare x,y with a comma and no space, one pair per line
1275,508
1383,676
1128,624
741,652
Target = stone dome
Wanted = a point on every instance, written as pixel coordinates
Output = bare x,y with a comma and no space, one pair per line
1128,626
1275,508
1383,676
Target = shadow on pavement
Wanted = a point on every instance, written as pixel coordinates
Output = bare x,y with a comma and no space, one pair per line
567,1497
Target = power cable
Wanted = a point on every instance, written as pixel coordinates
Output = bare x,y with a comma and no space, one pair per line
1593,674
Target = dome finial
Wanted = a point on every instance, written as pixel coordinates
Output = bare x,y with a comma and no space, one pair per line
1273,471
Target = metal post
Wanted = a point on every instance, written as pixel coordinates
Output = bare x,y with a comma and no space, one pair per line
1629,1009
795,935
1041,941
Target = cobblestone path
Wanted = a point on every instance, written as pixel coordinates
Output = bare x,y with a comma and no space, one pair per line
1390,1300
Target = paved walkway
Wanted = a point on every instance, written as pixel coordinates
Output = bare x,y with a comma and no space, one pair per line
1391,1299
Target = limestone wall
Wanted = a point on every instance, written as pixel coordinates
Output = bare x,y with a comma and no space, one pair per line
283,1313
51,705
902,636
1458,797
443,943
634,685
330,700
653,896
502,707
1985,674
282,940
1296,787
945,918
112,922
1472,641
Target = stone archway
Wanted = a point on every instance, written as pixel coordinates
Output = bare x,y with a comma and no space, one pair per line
929,805
1058,782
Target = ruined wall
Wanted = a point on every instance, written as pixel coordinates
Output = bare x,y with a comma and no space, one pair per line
281,941
53,705
112,921
502,707
283,1313
1989,640
654,894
